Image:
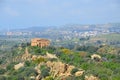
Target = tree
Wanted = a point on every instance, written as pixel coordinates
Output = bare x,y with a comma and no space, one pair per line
3,78
2,71
45,71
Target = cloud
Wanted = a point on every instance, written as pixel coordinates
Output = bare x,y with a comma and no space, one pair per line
11,11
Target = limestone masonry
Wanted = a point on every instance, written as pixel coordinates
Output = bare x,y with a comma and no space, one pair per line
40,42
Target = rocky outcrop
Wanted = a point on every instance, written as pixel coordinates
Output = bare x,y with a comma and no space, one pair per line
23,57
79,73
57,68
91,77
26,55
48,55
38,77
62,69
34,57
95,56
17,66
69,69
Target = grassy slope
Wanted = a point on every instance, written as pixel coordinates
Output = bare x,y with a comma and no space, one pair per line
109,37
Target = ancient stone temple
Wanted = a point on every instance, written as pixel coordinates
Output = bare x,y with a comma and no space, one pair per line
40,42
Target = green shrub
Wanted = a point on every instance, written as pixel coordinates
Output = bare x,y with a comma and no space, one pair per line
103,77
116,77
49,78
44,71
3,78
85,66
74,70
2,71
39,60
27,63
29,72
10,66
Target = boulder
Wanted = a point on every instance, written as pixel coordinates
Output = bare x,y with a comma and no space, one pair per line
17,66
79,73
48,55
38,77
95,56
34,57
91,77
69,69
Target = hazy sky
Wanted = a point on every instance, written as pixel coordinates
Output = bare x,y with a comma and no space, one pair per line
27,13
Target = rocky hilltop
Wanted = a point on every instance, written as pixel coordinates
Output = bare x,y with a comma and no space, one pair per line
56,69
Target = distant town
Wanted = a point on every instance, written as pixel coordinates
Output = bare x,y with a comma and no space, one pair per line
68,34
67,31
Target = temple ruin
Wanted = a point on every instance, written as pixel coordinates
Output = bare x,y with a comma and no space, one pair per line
40,42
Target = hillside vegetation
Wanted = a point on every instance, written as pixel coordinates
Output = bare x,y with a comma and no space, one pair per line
111,39
59,63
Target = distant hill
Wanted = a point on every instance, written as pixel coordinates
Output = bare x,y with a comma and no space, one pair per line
33,29
113,27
